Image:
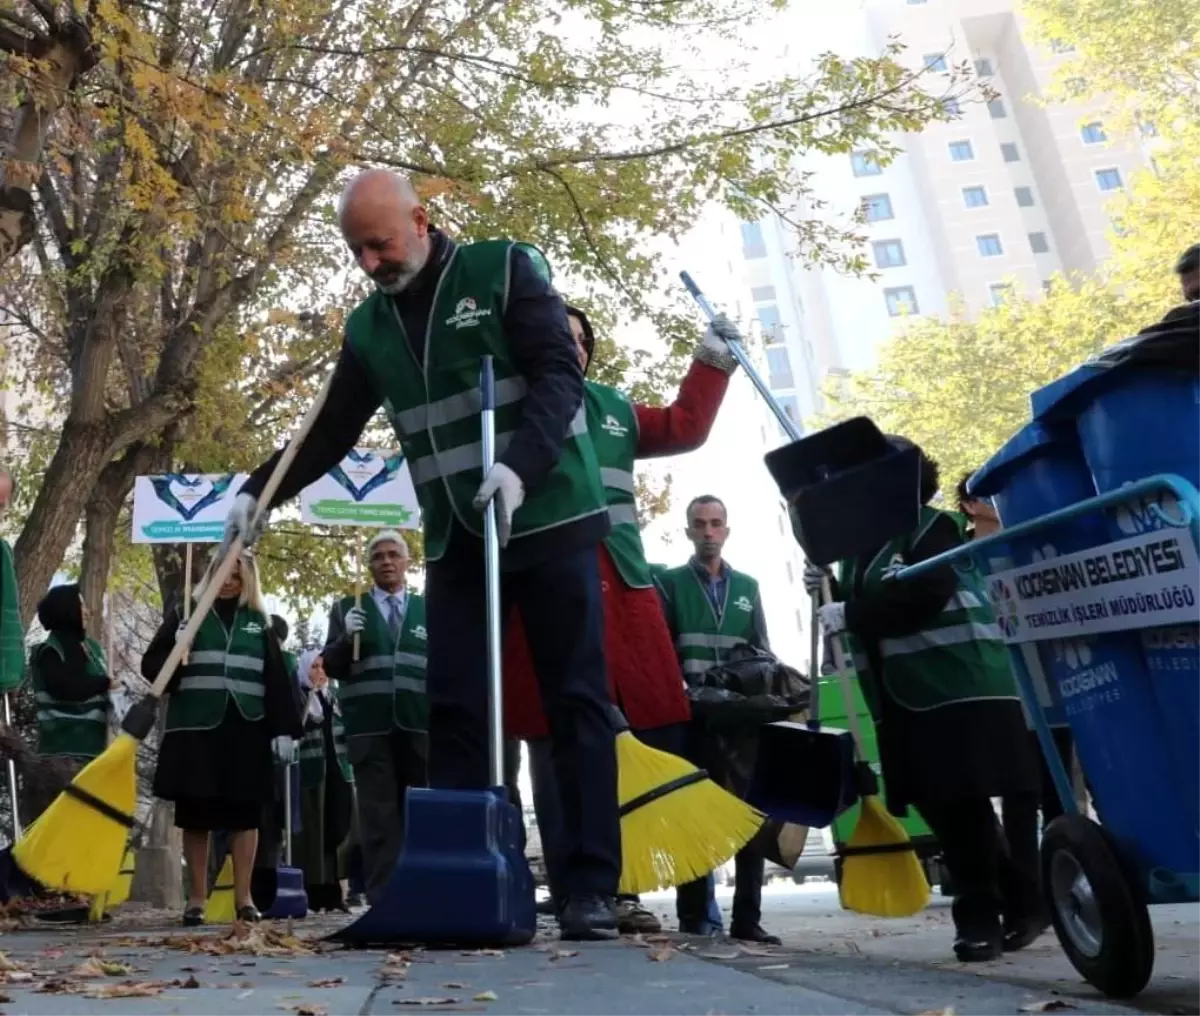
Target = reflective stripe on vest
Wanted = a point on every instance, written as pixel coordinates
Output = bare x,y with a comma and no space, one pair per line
206,682
618,479
706,641
623,514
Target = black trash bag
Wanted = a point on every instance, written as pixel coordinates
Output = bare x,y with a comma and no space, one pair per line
1173,342
749,689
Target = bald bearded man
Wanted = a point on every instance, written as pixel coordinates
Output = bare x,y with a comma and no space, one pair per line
414,346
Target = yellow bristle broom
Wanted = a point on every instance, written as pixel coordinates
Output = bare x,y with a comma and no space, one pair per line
676,824
219,908
881,873
77,843
119,892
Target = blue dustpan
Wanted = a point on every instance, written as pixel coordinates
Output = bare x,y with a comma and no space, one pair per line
462,877
291,900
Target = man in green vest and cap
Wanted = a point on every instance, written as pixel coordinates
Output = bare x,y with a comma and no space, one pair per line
415,346
711,610
382,694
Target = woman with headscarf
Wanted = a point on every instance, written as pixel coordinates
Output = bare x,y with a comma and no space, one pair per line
71,684
937,679
326,787
228,708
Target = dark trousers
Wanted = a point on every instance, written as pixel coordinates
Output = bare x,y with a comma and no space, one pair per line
562,613
992,891
547,804
1020,814
385,766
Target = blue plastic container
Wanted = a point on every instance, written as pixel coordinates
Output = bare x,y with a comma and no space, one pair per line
1102,682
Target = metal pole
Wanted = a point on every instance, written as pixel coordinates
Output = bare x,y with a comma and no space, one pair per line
287,814
491,571
12,775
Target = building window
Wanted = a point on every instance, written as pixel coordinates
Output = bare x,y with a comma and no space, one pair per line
762,294
989,245
1047,286
1058,46
952,107
888,253
998,292
1010,152
864,164
1108,179
936,62
792,408
983,67
753,244
961,151
975,197
1093,133
1024,196
1147,129
772,325
1075,87
779,367
996,108
900,300
1038,243
877,208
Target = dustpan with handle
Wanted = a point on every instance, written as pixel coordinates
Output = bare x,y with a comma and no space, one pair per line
805,773
462,877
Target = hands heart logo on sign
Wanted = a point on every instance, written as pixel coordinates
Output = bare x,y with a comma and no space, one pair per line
362,472
190,495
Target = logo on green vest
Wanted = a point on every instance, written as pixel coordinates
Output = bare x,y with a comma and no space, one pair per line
743,603
418,632
614,426
467,314
252,628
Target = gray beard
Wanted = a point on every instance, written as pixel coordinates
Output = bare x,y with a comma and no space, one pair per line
410,270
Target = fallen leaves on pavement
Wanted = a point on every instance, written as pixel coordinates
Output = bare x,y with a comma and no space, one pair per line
306,1009
98,966
126,989
191,982
257,940
454,986
562,954
486,996
435,1000
661,954
948,1011
1050,1005
395,965
327,982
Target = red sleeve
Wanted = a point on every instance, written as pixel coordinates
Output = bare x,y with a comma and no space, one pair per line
682,426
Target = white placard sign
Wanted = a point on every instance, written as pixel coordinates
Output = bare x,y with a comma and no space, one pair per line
183,507
1142,582
368,488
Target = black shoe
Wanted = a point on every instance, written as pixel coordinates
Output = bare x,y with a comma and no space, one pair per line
754,934
193,917
588,919
355,900
249,914
1024,933
978,950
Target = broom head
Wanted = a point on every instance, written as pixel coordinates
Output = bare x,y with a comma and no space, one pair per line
76,844
676,824
881,874
219,908
122,887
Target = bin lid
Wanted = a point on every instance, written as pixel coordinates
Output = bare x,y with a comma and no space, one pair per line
1060,397
993,476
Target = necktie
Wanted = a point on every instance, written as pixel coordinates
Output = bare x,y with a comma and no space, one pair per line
394,618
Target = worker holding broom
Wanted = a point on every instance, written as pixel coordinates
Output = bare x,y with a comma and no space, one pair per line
936,677
643,678
415,345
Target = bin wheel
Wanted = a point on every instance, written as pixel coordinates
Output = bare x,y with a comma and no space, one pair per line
1099,913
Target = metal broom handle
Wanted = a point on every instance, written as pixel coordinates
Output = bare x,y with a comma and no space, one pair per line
491,578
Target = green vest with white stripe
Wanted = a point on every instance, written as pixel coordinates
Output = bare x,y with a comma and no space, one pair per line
960,656
434,406
312,748
222,663
612,424
72,729
702,639
385,689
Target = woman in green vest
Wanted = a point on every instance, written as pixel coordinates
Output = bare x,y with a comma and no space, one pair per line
229,708
70,683
326,787
937,679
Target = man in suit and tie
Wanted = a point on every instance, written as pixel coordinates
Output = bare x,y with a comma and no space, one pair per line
381,689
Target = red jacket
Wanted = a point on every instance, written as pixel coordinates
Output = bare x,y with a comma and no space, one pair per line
643,671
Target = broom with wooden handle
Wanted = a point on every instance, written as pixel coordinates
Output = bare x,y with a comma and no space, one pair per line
77,843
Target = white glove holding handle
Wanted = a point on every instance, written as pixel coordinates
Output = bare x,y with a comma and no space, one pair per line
508,490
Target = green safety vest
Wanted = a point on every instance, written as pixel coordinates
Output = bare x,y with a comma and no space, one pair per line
386,687
612,424
221,663
434,406
312,749
74,729
959,657
12,631
702,639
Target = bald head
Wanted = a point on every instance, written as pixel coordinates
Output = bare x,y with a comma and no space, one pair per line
386,227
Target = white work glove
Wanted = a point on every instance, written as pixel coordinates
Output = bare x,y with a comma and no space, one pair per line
284,749
508,490
714,348
238,522
832,618
355,621
813,577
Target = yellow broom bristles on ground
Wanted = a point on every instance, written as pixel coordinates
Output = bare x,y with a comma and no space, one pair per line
123,886
676,824
219,908
881,874
77,843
